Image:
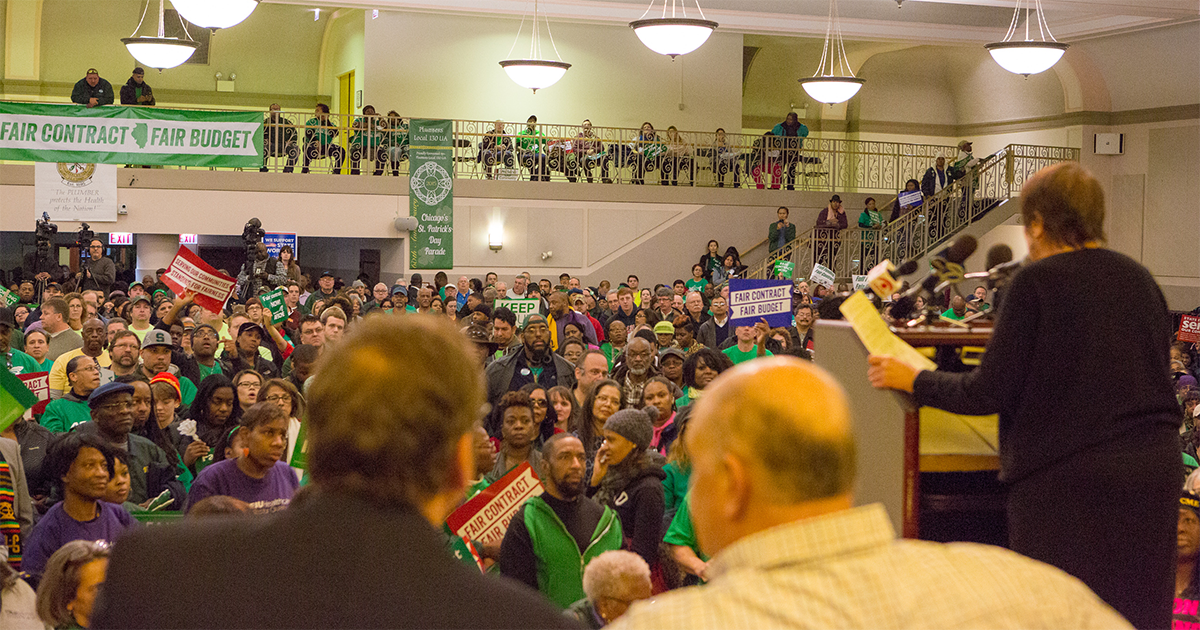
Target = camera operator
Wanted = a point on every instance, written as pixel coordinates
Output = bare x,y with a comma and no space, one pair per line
41,265
264,275
99,273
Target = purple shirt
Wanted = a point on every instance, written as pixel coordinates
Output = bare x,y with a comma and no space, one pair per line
57,528
272,493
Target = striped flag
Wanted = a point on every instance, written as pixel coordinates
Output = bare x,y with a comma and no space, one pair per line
15,398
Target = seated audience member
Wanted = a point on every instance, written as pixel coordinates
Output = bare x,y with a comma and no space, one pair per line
257,475
659,396
320,140
637,368
591,367
771,477
18,601
627,477
552,537
612,582
670,363
73,577
83,377
287,397
543,417
247,384
80,464
212,416
94,345
37,346
565,406
518,432
151,471
714,332
496,149
373,484
957,310
698,371
279,140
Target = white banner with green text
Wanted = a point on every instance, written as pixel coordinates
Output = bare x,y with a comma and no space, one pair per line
129,135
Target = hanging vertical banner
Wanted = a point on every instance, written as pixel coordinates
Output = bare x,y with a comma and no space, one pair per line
75,191
430,194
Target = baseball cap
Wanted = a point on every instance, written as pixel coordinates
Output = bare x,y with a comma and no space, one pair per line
671,351
108,389
963,143
837,198
327,273
157,337
398,289
140,298
7,318
664,328
248,326
139,71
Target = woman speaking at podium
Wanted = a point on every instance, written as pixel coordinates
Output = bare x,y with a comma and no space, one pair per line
1089,444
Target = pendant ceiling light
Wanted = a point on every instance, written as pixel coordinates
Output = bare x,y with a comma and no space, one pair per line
215,13
159,52
535,73
825,86
1029,56
675,35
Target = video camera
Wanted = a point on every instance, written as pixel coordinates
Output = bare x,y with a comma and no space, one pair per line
84,242
45,229
252,235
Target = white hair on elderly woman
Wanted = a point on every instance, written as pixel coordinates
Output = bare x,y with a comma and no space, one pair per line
613,573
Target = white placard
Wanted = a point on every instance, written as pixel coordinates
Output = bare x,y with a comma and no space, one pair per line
860,283
822,275
75,192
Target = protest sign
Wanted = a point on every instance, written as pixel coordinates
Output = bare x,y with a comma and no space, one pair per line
822,275
275,242
8,298
913,198
39,384
15,398
300,452
860,283
273,301
188,274
1189,328
521,308
752,300
485,517
783,269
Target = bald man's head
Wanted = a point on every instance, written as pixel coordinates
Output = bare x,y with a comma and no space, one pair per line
769,438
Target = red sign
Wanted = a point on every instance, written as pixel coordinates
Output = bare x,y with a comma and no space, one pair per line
485,517
39,384
188,274
1189,328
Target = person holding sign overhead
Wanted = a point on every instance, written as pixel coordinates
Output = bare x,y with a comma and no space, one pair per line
1099,447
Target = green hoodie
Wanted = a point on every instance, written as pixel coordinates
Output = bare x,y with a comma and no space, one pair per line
561,579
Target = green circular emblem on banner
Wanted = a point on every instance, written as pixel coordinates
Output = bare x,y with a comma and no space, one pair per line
430,183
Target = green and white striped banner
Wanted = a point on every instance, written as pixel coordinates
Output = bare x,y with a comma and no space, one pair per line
130,135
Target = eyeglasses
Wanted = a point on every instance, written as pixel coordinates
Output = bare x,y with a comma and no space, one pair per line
278,398
250,385
537,402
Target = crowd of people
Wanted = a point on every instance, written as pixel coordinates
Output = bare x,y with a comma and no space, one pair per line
666,440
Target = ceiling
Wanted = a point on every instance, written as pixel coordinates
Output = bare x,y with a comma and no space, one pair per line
926,21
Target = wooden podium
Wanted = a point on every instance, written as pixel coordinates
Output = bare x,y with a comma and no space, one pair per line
887,425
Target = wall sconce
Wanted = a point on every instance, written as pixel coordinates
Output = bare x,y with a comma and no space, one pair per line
546,255
495,239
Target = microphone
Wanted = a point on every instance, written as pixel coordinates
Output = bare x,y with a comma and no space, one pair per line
881,279
907,269
1000,266
947,270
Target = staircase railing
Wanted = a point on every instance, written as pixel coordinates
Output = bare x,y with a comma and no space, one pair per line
854,251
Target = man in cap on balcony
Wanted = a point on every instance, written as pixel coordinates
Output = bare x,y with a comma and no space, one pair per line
92,91
136,91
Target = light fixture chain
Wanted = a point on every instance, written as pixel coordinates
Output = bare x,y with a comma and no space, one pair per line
161,12
145,9
514,46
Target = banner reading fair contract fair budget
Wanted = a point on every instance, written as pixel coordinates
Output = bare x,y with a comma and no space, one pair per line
129,135
431,193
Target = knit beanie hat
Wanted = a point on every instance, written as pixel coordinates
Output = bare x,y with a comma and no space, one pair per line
633,425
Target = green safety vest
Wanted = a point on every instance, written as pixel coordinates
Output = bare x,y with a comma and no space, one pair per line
560,565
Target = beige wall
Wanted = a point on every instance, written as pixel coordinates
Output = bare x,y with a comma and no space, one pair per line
343,51
426,65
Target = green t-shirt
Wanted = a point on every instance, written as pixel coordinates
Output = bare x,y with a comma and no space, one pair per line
187,390
1190,462
696,285
949,314
682,533
206,371
20,363
737,356
62,415
44,366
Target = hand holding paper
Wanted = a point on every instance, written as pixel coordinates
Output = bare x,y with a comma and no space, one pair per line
877,337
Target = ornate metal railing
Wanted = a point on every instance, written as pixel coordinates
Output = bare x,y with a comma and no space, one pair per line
919,229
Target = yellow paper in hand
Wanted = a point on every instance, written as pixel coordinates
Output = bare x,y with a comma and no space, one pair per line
877,337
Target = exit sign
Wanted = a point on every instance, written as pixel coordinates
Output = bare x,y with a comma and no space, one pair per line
189,239
120,238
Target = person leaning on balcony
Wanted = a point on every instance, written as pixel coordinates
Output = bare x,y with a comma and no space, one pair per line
279,140
136,91
92,91
588,151
320,139
725,158
792,133
780,232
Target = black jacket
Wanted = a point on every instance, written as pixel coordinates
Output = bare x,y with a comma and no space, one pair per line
348,564
640,506
500,378
103,92
129,93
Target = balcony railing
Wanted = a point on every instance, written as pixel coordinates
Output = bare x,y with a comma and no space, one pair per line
377,145
855,251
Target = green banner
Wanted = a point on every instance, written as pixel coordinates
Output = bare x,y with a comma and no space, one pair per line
783,269
273,302
130,135
431,193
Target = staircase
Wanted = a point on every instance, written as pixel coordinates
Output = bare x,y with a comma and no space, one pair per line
970,202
